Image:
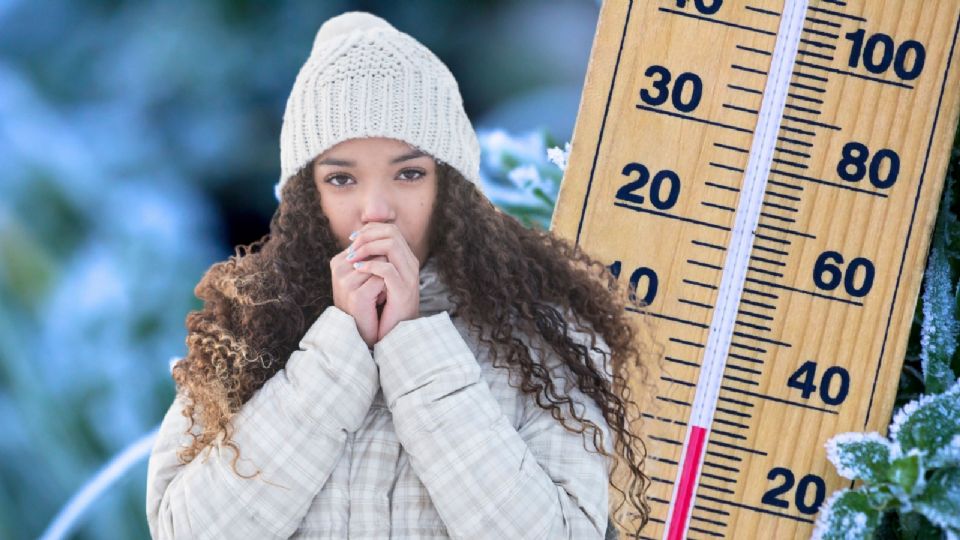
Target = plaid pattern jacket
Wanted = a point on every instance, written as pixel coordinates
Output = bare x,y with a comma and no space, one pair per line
420,437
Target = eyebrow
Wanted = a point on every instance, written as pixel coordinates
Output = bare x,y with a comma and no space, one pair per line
346,163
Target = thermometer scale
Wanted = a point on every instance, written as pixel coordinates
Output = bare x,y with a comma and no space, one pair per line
766,174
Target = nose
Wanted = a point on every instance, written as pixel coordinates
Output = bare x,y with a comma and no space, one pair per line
377,206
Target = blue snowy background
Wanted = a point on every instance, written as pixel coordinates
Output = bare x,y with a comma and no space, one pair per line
140,143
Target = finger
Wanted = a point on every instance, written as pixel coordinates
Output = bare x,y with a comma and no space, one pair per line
353,278
341,269
339,265
385,270
372,231
369,291
399,255
376,231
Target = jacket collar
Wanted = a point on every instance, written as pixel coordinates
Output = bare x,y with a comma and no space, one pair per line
434,294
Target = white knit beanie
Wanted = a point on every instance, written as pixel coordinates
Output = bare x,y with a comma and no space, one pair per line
365,78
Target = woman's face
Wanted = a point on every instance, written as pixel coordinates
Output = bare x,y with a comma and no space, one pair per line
376,179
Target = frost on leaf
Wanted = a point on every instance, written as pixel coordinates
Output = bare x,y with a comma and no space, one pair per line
938,331
846,515
928,424
940,501
864,456
948,455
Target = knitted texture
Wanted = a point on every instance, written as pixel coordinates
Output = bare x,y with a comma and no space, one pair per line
365,78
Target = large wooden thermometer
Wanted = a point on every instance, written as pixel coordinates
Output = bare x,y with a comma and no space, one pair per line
766,173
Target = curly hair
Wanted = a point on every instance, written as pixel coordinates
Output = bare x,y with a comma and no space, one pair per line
506,279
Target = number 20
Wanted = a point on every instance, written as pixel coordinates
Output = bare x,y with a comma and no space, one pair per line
657,197
772,495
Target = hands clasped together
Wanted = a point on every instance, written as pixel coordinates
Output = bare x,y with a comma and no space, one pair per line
377,280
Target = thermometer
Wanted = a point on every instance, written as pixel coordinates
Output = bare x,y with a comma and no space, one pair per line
766,175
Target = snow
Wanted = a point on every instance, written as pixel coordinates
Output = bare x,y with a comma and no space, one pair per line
938,332
837,521
846,449
559,157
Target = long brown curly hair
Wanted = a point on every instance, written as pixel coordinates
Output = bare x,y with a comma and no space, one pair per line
505,279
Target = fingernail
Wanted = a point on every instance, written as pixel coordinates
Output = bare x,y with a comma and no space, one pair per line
350,254
358,264
353,234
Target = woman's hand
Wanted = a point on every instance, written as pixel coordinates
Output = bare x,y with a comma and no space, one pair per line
400,272
357,293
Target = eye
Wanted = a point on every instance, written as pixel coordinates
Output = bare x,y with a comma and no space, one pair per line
417,172
331,180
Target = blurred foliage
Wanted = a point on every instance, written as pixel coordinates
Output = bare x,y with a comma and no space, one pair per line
517,175
140,144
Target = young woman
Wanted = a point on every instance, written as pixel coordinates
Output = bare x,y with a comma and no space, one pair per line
397,358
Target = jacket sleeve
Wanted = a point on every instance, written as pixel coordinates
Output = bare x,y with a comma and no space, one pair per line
292,430
486,478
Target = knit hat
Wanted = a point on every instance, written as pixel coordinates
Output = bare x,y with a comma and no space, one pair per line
365,78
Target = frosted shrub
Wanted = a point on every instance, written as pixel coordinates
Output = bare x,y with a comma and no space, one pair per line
521,174
915,473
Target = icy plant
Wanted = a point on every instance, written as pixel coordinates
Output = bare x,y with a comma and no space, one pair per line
938,332
915,474
521,174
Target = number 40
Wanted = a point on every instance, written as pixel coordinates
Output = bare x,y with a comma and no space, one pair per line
804,380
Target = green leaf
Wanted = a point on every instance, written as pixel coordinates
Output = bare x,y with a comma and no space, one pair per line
846,514
864,456
889,528
928,424
905,471
914,526
940,501
879,496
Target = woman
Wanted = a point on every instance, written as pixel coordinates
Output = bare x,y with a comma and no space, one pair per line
397,358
